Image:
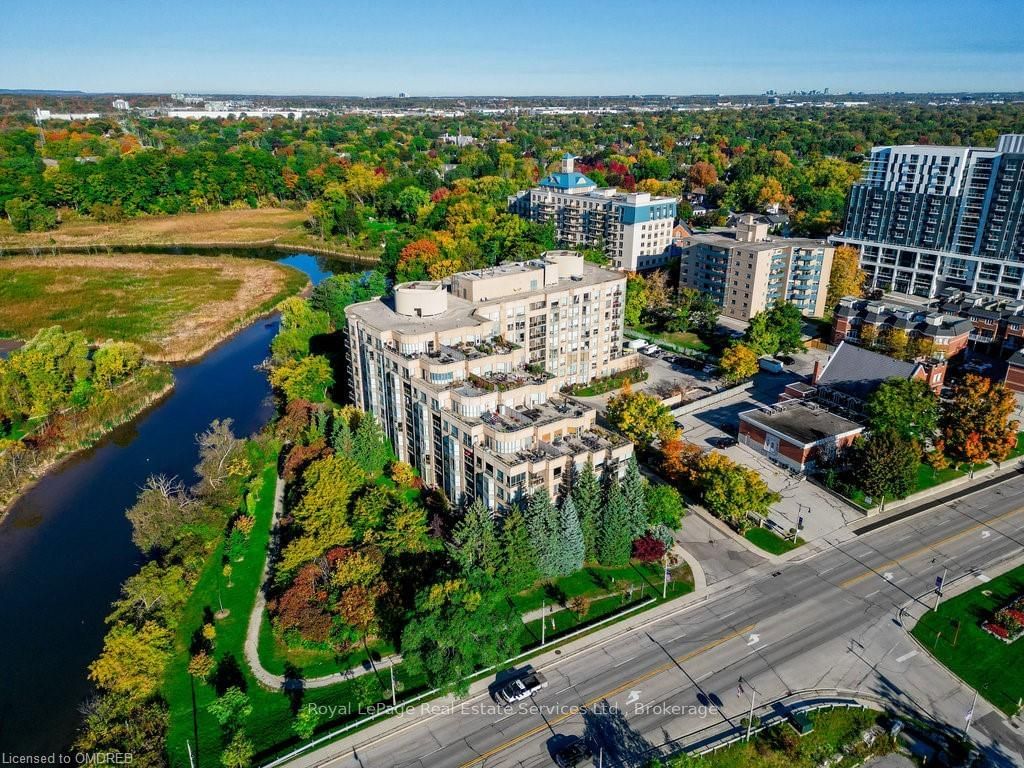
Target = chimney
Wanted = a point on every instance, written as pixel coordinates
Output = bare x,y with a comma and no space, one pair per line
817,372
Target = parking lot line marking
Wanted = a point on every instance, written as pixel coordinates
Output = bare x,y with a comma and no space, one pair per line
906,657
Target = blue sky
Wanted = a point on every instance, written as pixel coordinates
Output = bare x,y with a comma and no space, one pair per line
512,48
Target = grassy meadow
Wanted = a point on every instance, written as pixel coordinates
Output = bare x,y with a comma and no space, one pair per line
174,307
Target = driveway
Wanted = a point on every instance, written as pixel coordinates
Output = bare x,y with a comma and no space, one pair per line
822,513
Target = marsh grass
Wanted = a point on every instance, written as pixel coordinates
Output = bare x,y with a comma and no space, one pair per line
174,307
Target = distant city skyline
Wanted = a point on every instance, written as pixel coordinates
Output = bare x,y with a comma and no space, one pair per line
315,47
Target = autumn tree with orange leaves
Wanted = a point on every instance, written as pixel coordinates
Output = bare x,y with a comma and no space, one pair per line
976,424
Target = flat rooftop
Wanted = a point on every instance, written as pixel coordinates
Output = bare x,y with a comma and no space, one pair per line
801,422
725,237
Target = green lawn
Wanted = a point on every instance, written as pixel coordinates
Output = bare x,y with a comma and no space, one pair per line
609,383
596,582
780,747
926,478
771,542
276,655
269,724
955,637
674,340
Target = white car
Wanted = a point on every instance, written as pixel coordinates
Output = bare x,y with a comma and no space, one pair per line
522,687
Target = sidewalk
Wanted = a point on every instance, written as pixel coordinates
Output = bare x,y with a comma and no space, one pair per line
278,682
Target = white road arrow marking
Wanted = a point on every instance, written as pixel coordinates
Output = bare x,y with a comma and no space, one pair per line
986,534
888,575
754,639
633,696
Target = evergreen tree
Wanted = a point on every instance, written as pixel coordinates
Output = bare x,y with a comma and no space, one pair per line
542,521
474,541
370,446
614,541
634,491
517,567
586,497
341,436
572,548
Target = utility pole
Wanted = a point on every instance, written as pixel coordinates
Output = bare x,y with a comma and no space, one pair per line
938,589
970,715
394,697
750,717
191,762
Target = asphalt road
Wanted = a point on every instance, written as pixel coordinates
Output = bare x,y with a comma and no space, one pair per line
828,622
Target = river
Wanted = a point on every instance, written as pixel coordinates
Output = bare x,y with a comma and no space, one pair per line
65,546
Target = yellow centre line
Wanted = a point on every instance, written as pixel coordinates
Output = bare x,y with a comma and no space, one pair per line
920,550
629,684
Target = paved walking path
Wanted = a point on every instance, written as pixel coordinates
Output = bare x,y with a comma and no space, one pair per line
277,682
252,635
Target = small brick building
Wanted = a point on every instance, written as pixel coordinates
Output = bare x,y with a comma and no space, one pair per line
1015,371
796,433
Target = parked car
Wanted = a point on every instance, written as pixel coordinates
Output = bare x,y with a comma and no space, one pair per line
977,366
770,364
651,349
574,754
522,687
724,442
709,368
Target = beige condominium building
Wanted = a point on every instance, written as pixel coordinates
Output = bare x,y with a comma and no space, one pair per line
747,270
464,374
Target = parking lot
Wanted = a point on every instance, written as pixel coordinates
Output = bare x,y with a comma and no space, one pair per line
716,425
668,374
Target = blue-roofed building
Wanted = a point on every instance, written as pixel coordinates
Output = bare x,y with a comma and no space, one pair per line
633,228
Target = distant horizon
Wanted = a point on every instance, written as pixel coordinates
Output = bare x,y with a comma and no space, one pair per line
433,49
519,97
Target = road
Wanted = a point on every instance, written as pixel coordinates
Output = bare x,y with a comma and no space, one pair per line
830,621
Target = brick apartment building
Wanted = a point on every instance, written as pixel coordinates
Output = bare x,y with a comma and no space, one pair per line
948,333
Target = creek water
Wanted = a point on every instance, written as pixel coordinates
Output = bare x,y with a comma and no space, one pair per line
65,546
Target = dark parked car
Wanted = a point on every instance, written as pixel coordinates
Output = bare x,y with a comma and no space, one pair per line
574,754
724,442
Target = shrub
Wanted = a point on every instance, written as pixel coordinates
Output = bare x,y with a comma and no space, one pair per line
648,549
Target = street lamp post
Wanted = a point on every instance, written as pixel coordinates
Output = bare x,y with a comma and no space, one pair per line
664,584
750,717
970,715
543,623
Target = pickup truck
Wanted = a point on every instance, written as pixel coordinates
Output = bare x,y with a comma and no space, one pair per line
522,687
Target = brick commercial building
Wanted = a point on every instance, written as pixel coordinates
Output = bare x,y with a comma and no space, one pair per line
747,270
796,433
947,333
464,375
